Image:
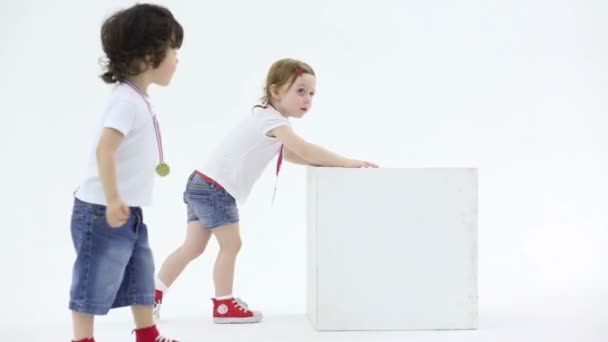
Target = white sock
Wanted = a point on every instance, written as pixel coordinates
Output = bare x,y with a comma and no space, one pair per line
224,297
160,286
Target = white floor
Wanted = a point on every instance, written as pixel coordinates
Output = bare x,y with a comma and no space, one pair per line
554,321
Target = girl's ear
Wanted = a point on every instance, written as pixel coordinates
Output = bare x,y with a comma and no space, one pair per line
274,92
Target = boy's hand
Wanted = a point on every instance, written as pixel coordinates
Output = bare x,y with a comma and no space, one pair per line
117,213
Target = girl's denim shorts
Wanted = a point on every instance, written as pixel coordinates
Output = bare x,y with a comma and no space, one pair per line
208,203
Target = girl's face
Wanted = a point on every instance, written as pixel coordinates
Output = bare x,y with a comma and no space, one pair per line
296,100
163,74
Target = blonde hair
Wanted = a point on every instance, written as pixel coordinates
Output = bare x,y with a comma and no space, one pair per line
282,72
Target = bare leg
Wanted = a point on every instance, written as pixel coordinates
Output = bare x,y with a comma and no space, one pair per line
196,241
229,239
142,316
82,325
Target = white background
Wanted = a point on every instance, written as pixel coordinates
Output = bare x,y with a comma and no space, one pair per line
518,89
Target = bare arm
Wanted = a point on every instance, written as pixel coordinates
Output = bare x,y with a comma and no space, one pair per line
117,212
312,153
106,151
292,157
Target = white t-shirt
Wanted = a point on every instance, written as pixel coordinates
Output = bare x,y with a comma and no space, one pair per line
137,155
241,157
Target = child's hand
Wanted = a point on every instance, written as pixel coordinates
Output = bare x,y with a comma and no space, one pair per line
352,163
117,213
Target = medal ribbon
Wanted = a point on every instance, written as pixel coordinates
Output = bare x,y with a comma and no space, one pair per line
159,140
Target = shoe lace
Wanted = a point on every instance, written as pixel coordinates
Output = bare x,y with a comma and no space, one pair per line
164,339
241,304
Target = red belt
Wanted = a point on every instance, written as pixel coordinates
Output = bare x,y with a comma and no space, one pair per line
209,180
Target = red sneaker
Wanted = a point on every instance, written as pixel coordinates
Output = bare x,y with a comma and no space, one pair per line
233,310
150,334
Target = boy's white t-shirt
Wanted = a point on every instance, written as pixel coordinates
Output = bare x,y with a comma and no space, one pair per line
240,158
136,157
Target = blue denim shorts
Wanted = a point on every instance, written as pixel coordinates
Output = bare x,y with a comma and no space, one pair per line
209,203
114,266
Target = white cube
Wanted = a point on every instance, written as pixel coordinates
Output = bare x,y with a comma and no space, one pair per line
392,249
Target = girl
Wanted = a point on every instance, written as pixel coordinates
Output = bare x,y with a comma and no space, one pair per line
114,266
230,174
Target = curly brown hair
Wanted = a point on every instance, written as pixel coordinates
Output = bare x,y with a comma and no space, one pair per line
136,38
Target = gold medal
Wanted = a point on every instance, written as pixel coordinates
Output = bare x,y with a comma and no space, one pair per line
162,169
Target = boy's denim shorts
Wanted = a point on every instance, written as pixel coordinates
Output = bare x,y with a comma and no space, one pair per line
114,266
209,203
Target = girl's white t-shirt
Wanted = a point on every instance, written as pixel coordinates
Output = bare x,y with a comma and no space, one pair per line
240,158
137,155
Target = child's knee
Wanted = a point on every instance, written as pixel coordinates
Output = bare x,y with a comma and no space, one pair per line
232,246
193,251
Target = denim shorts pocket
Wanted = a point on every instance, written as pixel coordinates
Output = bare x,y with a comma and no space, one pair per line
101,226
230,207
202,205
